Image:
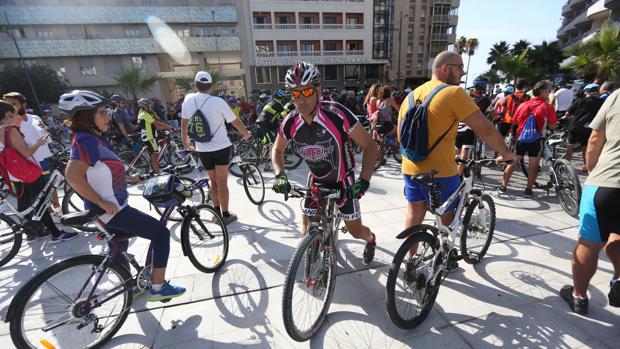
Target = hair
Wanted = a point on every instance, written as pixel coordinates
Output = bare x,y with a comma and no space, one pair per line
521,83
5,107
385,92
202,87
15,95
608,86
541,86
372,92
83,120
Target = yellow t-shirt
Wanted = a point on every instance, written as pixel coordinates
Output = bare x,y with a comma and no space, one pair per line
450,105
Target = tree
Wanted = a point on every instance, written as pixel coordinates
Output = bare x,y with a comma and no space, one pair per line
514,67
186,84
520,46
133,81
545,60
599,55
499,49
460,45
471,46
46,82
492,76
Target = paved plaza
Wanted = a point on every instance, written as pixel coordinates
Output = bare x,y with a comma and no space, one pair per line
508,300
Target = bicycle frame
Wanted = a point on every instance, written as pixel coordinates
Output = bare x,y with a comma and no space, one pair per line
41,202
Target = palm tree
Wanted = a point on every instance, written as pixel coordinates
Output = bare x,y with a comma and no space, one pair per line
460,45
499,49
134,82
186,84
471,45
513,67
519,47
600,54
545,60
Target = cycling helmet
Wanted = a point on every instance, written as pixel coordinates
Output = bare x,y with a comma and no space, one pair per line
279,93
480,83
302,74
591,88
117,98
77,100
509,89
262,96
144,102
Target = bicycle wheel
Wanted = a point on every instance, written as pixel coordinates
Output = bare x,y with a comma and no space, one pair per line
72,203
10,240
247,153
253,183
292,160
163,158
380,157
177,157
410,294
141,165
568,187
205,238
198,197
478,226
52,310
398,157
308,287
64,136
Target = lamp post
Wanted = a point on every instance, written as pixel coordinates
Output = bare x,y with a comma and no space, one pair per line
400,47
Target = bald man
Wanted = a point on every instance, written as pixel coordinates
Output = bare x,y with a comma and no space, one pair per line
450,106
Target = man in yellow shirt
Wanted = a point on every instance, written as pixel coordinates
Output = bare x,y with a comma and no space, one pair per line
449,107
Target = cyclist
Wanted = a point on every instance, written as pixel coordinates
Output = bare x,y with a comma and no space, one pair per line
322,133
98,176
119,119
269,119
465,137
148,130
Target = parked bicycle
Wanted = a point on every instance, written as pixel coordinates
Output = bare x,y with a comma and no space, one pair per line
258,153
252,179
170,152
388,146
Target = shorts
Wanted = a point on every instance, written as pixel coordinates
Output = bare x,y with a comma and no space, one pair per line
579,135
598,213
533,150
504,128
348,209
465,139
210,159
46,167
150,147
416,191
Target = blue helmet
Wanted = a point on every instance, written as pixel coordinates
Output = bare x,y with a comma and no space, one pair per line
509,89
480,83
279,93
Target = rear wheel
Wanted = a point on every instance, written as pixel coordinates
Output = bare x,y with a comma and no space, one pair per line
136,166
291,159
246,152
72,203
10,239
198,197
568,187
253,183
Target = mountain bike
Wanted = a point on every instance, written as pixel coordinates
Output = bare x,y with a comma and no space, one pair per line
170,152
258,153
252,179
311,275
388,147
429,252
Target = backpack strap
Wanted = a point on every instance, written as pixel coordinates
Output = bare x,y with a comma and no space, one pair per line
441,138
7,137
431,95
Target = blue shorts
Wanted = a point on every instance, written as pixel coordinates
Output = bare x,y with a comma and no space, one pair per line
416,191
46,164
598,213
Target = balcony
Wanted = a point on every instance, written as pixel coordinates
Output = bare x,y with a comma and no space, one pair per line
312,26
570,26
597,10
316,57
263,26
443,37
287,26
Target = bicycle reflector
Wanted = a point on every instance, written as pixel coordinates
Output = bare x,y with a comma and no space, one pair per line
315,190
46,344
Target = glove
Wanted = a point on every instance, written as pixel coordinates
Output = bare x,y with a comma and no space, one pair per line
358,189
281,185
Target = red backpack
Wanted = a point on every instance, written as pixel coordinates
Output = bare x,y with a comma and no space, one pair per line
15,164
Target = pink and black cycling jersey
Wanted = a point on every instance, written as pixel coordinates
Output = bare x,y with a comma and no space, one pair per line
325,144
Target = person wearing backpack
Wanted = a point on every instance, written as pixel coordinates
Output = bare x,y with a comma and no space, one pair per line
431,146
510,105
531,118
203,119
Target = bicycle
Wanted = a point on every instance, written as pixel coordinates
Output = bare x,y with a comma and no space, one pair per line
252,179
437,250
388,147
57,309
312,270
170,153
258,153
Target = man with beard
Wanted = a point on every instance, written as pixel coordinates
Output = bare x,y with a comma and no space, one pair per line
321,133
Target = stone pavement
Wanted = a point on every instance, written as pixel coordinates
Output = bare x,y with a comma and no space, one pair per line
510,299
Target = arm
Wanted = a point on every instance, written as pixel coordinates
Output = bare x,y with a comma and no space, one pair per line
595,147
161,126
121,127
277,154
184,136
75,174
18,142
369,149
488,133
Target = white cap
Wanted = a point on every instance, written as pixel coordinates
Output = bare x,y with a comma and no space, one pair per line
203,77
408,90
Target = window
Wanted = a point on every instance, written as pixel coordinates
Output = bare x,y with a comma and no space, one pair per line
151,2
228,31
88,71
46,35
331,72
372,71
329,46
132,33
260,20
282,73
263,75
138,61
409,49
29,62
285,48
329,20
61,72
352,72
307,47
183,33
283,19
420,48
408,67
208,31
380,28
18,33
263,47
418,66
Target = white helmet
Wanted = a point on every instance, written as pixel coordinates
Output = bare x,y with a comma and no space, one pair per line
302,74
77,100
144,102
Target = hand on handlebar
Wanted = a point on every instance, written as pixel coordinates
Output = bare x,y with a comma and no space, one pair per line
506,158
282,185
357,190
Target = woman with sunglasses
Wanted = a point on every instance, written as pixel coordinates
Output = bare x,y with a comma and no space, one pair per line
321,132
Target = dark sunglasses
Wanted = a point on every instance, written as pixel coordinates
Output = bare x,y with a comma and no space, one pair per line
457,65
307,92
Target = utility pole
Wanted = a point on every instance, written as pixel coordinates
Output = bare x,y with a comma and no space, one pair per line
400,46
21,62
217,48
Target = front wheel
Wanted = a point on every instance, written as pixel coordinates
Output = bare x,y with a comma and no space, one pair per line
204,238
10,239
253,183
478,226
246,152
568,187
309,286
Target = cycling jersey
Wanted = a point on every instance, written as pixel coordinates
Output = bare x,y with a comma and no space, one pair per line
271,114
148,131
324,144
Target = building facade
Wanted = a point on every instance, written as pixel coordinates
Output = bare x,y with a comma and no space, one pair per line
347,39
89,43
422,29
581,19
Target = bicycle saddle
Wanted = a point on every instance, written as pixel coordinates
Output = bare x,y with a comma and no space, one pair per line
79,219
425,177
555,141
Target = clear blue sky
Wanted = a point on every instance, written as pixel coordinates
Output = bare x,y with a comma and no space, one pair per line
491,21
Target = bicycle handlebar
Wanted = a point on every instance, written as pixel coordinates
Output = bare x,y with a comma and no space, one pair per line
302,192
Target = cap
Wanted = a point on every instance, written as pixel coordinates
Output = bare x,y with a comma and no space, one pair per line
407,90
203,77
591,88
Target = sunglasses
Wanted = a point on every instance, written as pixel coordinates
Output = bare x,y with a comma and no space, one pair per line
307,92
457,65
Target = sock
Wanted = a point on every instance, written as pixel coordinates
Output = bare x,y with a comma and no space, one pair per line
217,209
576,297
226,214
156,287
372,240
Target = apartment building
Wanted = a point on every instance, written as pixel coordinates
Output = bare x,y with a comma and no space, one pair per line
88,43
422,29
347,39
581,19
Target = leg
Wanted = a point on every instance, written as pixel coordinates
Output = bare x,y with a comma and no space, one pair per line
569,151
154,161
358,230
585,261
221,177
509,170
612,249
415,215
214,188
532,171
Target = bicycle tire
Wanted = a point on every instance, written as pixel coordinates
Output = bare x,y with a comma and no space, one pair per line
190,251
141,166
65,137
29,289
7,238
163,159
398,157
468,230
299,257
199,193
247,152
564,166
175,158
71,204
253,181
380,158
292,160
420,235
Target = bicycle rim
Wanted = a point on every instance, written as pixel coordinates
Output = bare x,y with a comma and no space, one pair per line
48,309
10,241
254,184
205,238
478,226
568,187
308,287
246,153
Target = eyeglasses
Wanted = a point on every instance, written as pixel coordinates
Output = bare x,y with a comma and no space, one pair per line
307,92
457,65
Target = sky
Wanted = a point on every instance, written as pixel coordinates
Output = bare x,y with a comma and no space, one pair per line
491,21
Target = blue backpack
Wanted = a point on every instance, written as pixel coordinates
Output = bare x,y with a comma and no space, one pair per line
530,133
414,129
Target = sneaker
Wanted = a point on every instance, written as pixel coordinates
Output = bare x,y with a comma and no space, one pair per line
136,293
501,188
614,294
369,250
30,238
410,274
267,168
63,236
528,193
578,305
231,218
167,292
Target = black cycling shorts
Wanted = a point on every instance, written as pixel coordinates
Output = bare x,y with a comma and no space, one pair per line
210,159
465,139
533,150
579,135
149,146
504,128
348,209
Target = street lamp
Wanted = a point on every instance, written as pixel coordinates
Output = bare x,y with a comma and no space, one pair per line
217,47
400,47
